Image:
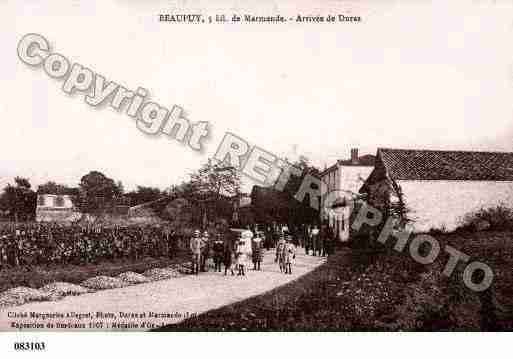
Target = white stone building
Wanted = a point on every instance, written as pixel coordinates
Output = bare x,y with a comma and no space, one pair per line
55,208
343,181
440,187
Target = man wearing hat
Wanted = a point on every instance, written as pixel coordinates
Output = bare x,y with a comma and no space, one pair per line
289,254
195,246
218,249
229,257
280,252
205,248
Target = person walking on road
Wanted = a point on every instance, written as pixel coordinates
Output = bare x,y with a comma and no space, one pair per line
328,240
315,240
195,246
289,255
245,251
218,249
258,250
229,257
205,248
241,256
307,233
280,253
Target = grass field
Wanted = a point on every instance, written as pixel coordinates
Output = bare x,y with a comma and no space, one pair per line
359,290
40,275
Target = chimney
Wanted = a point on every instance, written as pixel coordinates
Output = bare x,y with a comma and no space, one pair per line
354,156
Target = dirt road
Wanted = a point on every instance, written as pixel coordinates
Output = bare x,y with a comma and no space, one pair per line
151,305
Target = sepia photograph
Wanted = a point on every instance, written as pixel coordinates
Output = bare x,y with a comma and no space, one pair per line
339,166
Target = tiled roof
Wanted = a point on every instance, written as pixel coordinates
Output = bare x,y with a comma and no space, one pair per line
447,165
365,161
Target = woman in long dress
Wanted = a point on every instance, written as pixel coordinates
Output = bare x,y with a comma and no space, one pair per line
241,258
244,251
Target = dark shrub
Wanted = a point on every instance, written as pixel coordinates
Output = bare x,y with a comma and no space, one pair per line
493,218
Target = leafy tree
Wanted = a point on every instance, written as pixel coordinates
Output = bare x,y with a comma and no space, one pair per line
97,193
143,194
270,204
19,200
210,192
51,187
214,180
179,213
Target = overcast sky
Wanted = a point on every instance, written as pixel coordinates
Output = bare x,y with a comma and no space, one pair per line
412,74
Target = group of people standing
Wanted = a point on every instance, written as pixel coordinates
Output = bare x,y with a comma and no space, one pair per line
236,249
316,240
320,241
285,253
225,249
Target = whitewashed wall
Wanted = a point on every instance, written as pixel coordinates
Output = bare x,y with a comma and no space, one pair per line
49,201
50,212
436,204
347,179
353,177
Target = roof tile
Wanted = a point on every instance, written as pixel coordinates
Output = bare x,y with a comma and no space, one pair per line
447,165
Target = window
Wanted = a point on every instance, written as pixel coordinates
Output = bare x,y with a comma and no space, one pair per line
59,201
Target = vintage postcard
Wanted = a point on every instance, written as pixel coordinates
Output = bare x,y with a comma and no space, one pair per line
295,166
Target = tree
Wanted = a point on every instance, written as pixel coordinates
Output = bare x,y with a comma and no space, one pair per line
19,200
51,187
273,205
179,214
212,190
269,205
214,179
143,194
299,212
97,193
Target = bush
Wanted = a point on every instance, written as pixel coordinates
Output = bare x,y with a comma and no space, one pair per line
161,274
493,218
438,231
22,295
133,278
62,289
103,282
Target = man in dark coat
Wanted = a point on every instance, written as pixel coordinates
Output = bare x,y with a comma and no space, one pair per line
314,240
218,249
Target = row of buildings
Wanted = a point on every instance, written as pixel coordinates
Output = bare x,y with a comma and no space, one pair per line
438,188
60,209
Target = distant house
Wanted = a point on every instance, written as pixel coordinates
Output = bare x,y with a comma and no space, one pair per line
343,181
55,208
440,187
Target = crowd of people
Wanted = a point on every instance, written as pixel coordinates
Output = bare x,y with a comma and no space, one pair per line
238,248
72,244
316,240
